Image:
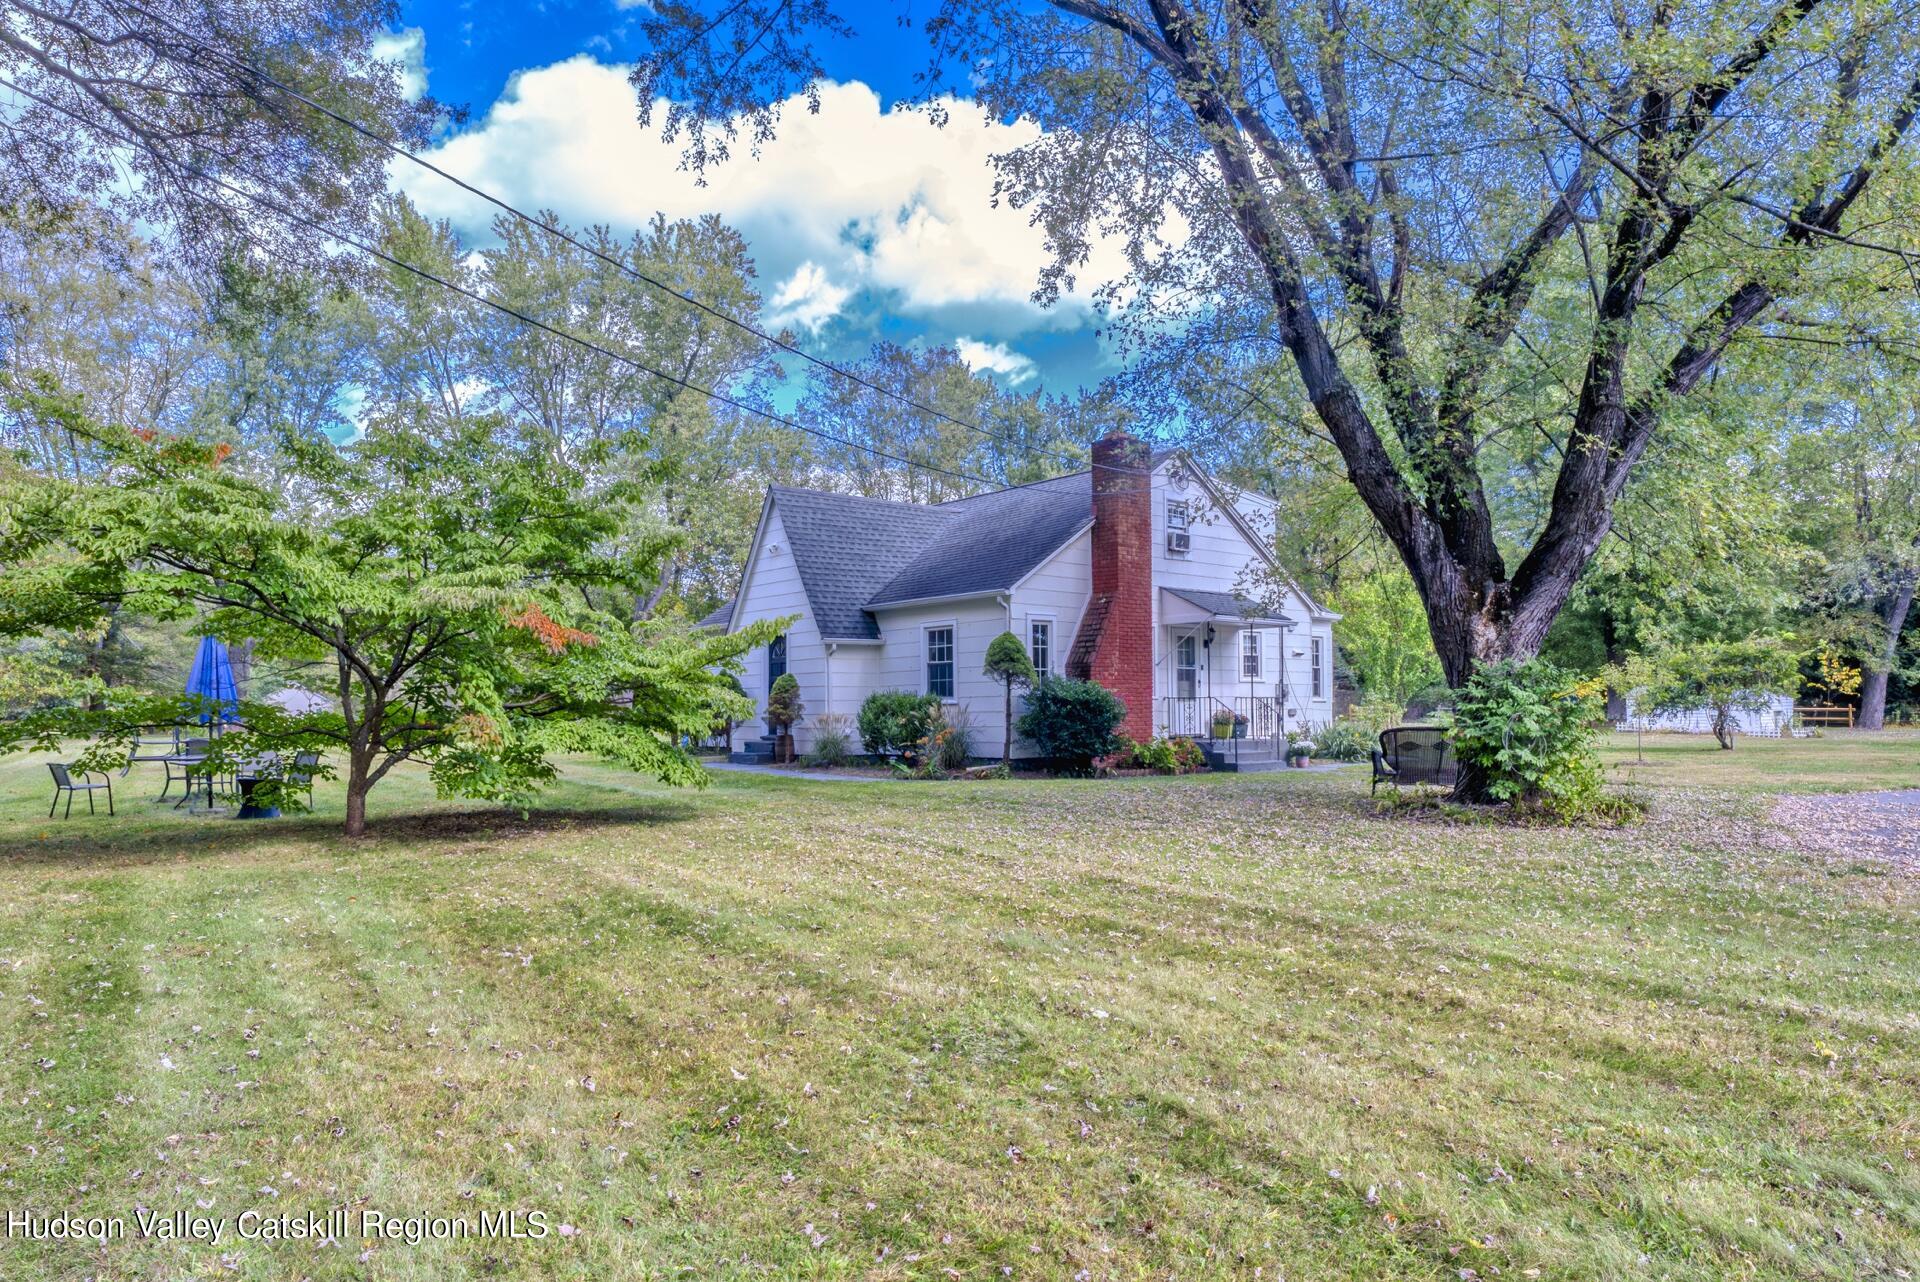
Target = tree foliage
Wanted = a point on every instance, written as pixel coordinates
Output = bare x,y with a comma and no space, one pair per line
1726,677
159,111
1456,223
443,585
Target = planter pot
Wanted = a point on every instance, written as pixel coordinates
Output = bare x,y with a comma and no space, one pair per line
783,748
1299,763
1222,730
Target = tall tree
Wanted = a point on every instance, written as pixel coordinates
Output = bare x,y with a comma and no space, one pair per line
1853,463
1410,176
148,108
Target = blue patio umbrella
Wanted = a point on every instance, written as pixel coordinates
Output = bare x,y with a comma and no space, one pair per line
211,679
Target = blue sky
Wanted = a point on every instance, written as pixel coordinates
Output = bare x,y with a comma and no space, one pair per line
866,222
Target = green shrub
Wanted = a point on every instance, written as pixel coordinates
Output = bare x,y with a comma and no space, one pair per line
1187,756
1346,740
894,722
832,741
1072,722
1527,729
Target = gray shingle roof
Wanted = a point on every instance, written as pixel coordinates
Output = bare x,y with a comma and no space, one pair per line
991,541
847,547
857,554
1228,605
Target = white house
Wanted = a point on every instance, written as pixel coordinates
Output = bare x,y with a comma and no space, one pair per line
1142,573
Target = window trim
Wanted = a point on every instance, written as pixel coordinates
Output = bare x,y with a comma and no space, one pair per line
1319,650
1053,630
953,659
1257,652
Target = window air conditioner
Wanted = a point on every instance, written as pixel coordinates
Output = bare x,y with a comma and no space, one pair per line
1179,541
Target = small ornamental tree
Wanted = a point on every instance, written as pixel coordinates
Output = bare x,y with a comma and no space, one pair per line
1072,722
1727,677
450,588
1007,663
784,706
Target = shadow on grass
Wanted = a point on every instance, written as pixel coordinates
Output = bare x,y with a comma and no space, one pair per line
99,846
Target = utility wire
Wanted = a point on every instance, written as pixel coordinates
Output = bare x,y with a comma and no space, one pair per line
375,251
619,265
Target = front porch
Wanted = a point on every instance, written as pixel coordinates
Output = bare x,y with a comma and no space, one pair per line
1221,678
1243,733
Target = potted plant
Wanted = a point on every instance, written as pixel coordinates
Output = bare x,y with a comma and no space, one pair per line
1299,750
1223,725
783,709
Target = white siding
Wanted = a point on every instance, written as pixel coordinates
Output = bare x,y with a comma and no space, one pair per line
1057,590
1222,559
975,623
771,589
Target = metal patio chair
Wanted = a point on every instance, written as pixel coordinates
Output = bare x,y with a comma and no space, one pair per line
63,782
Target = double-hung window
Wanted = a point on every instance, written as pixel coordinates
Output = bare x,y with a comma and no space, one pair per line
940,662
1250,655
1319,668
1040,646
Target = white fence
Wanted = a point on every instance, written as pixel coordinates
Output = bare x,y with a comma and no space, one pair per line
1771,721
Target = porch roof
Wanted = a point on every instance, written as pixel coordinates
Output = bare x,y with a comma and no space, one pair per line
1196,605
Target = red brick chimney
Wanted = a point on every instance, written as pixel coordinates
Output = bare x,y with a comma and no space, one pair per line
1115,642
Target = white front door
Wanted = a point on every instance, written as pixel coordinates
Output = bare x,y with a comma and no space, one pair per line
1186,667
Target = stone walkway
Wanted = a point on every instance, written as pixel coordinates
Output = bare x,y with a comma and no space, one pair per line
1874,825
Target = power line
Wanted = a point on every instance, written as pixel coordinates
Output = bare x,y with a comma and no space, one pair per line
623,357
619,265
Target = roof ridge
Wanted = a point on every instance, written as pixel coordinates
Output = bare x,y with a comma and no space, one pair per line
1024,485
858,498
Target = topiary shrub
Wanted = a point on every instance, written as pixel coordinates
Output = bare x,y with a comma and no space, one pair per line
1524,734
894,722
1072,722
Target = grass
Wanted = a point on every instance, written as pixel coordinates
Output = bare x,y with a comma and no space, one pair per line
1837,761
1206,1027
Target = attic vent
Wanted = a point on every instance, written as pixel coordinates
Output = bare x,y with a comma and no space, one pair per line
1179,541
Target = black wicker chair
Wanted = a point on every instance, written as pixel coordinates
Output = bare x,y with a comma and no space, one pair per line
63,782
1413,754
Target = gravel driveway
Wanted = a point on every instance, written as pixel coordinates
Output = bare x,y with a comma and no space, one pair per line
1878,825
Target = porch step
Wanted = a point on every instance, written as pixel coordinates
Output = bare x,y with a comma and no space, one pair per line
754,752
1250,759
1251,765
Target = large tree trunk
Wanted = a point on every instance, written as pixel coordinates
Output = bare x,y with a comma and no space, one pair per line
1873,685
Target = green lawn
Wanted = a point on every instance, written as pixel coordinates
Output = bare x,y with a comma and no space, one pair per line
1140,1028
1837,761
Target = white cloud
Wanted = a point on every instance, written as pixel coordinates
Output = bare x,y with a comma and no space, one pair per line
849,198
408,48
996,358
807,299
